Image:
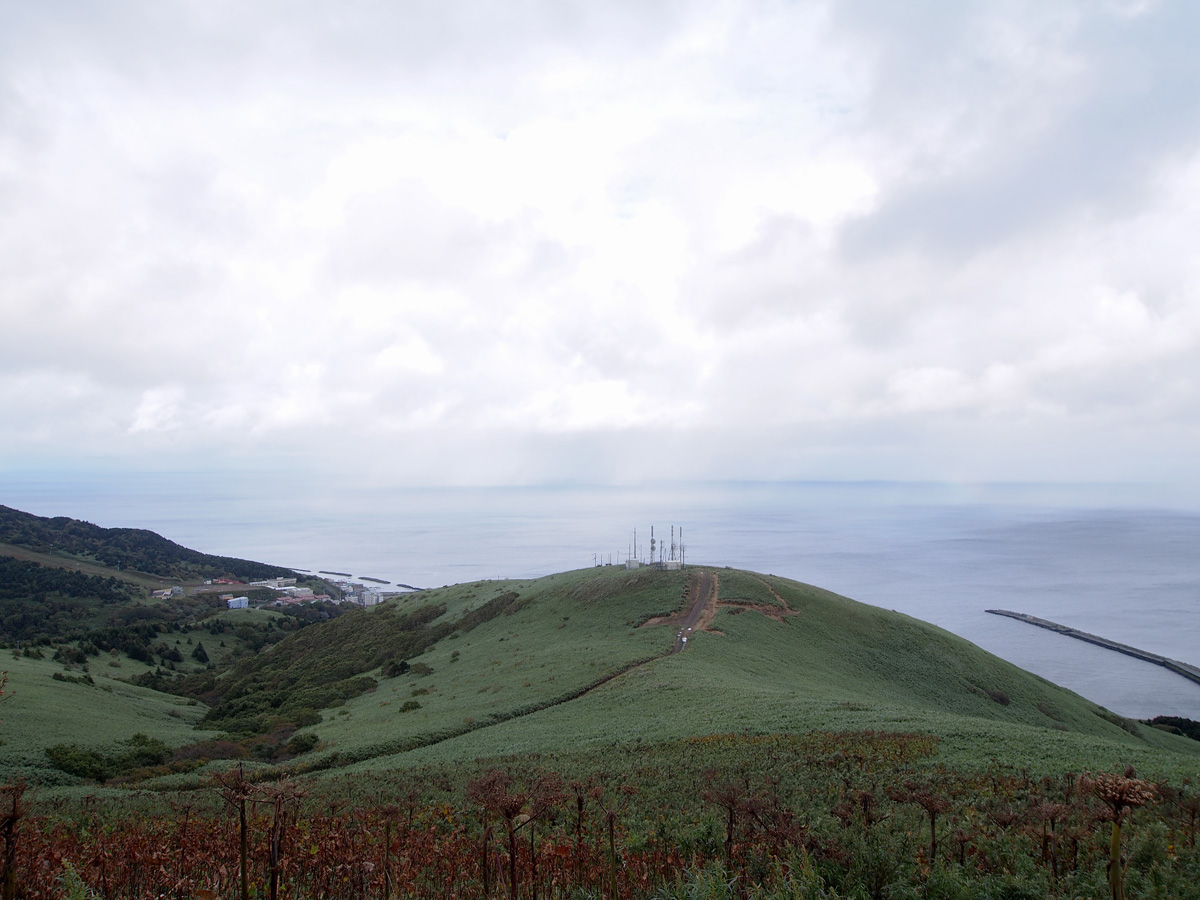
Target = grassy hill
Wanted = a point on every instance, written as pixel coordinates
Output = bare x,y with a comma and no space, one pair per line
72,591
75,541
581,660
100,712
797,735
572,661
576,666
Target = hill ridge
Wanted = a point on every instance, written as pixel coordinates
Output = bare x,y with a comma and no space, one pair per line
123,548
779,651
575,659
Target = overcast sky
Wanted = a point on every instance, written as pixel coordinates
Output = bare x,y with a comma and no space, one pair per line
543,240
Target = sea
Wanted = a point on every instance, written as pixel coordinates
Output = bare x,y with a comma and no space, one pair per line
1103,559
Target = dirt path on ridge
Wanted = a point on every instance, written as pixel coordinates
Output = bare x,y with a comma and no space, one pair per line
702,598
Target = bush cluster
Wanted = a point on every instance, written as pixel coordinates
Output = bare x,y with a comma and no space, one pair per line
137,752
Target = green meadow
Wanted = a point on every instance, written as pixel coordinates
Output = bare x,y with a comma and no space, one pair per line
801,744
827,663
575,662
42,711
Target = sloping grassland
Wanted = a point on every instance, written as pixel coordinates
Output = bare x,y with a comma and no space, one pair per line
572,667
572,663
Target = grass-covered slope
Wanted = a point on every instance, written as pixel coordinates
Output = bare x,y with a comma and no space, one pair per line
583,660
573,665
564,640
43,711
799,735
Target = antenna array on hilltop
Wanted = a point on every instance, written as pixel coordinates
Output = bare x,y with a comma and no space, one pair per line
663,555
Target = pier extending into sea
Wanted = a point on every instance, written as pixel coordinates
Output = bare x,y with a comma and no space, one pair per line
1187,670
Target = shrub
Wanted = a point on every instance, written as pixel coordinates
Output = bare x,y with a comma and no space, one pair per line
1176,725
73,679
137,752
395,668
301,743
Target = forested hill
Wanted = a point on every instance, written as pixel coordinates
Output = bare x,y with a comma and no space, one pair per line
124,548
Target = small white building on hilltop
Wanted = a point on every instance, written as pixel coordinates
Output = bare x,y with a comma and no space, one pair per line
238,603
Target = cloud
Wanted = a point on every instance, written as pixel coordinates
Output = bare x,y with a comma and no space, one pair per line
1018,129
464,242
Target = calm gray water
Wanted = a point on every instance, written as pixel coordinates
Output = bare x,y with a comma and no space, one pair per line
1094,562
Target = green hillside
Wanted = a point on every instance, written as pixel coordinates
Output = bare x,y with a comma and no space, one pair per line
799,743
123,548
778,656
576,662
72,591
99,711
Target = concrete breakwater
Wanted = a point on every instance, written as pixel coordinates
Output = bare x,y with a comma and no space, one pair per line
1185,669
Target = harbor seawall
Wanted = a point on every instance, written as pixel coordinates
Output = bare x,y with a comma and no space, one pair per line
1188,671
